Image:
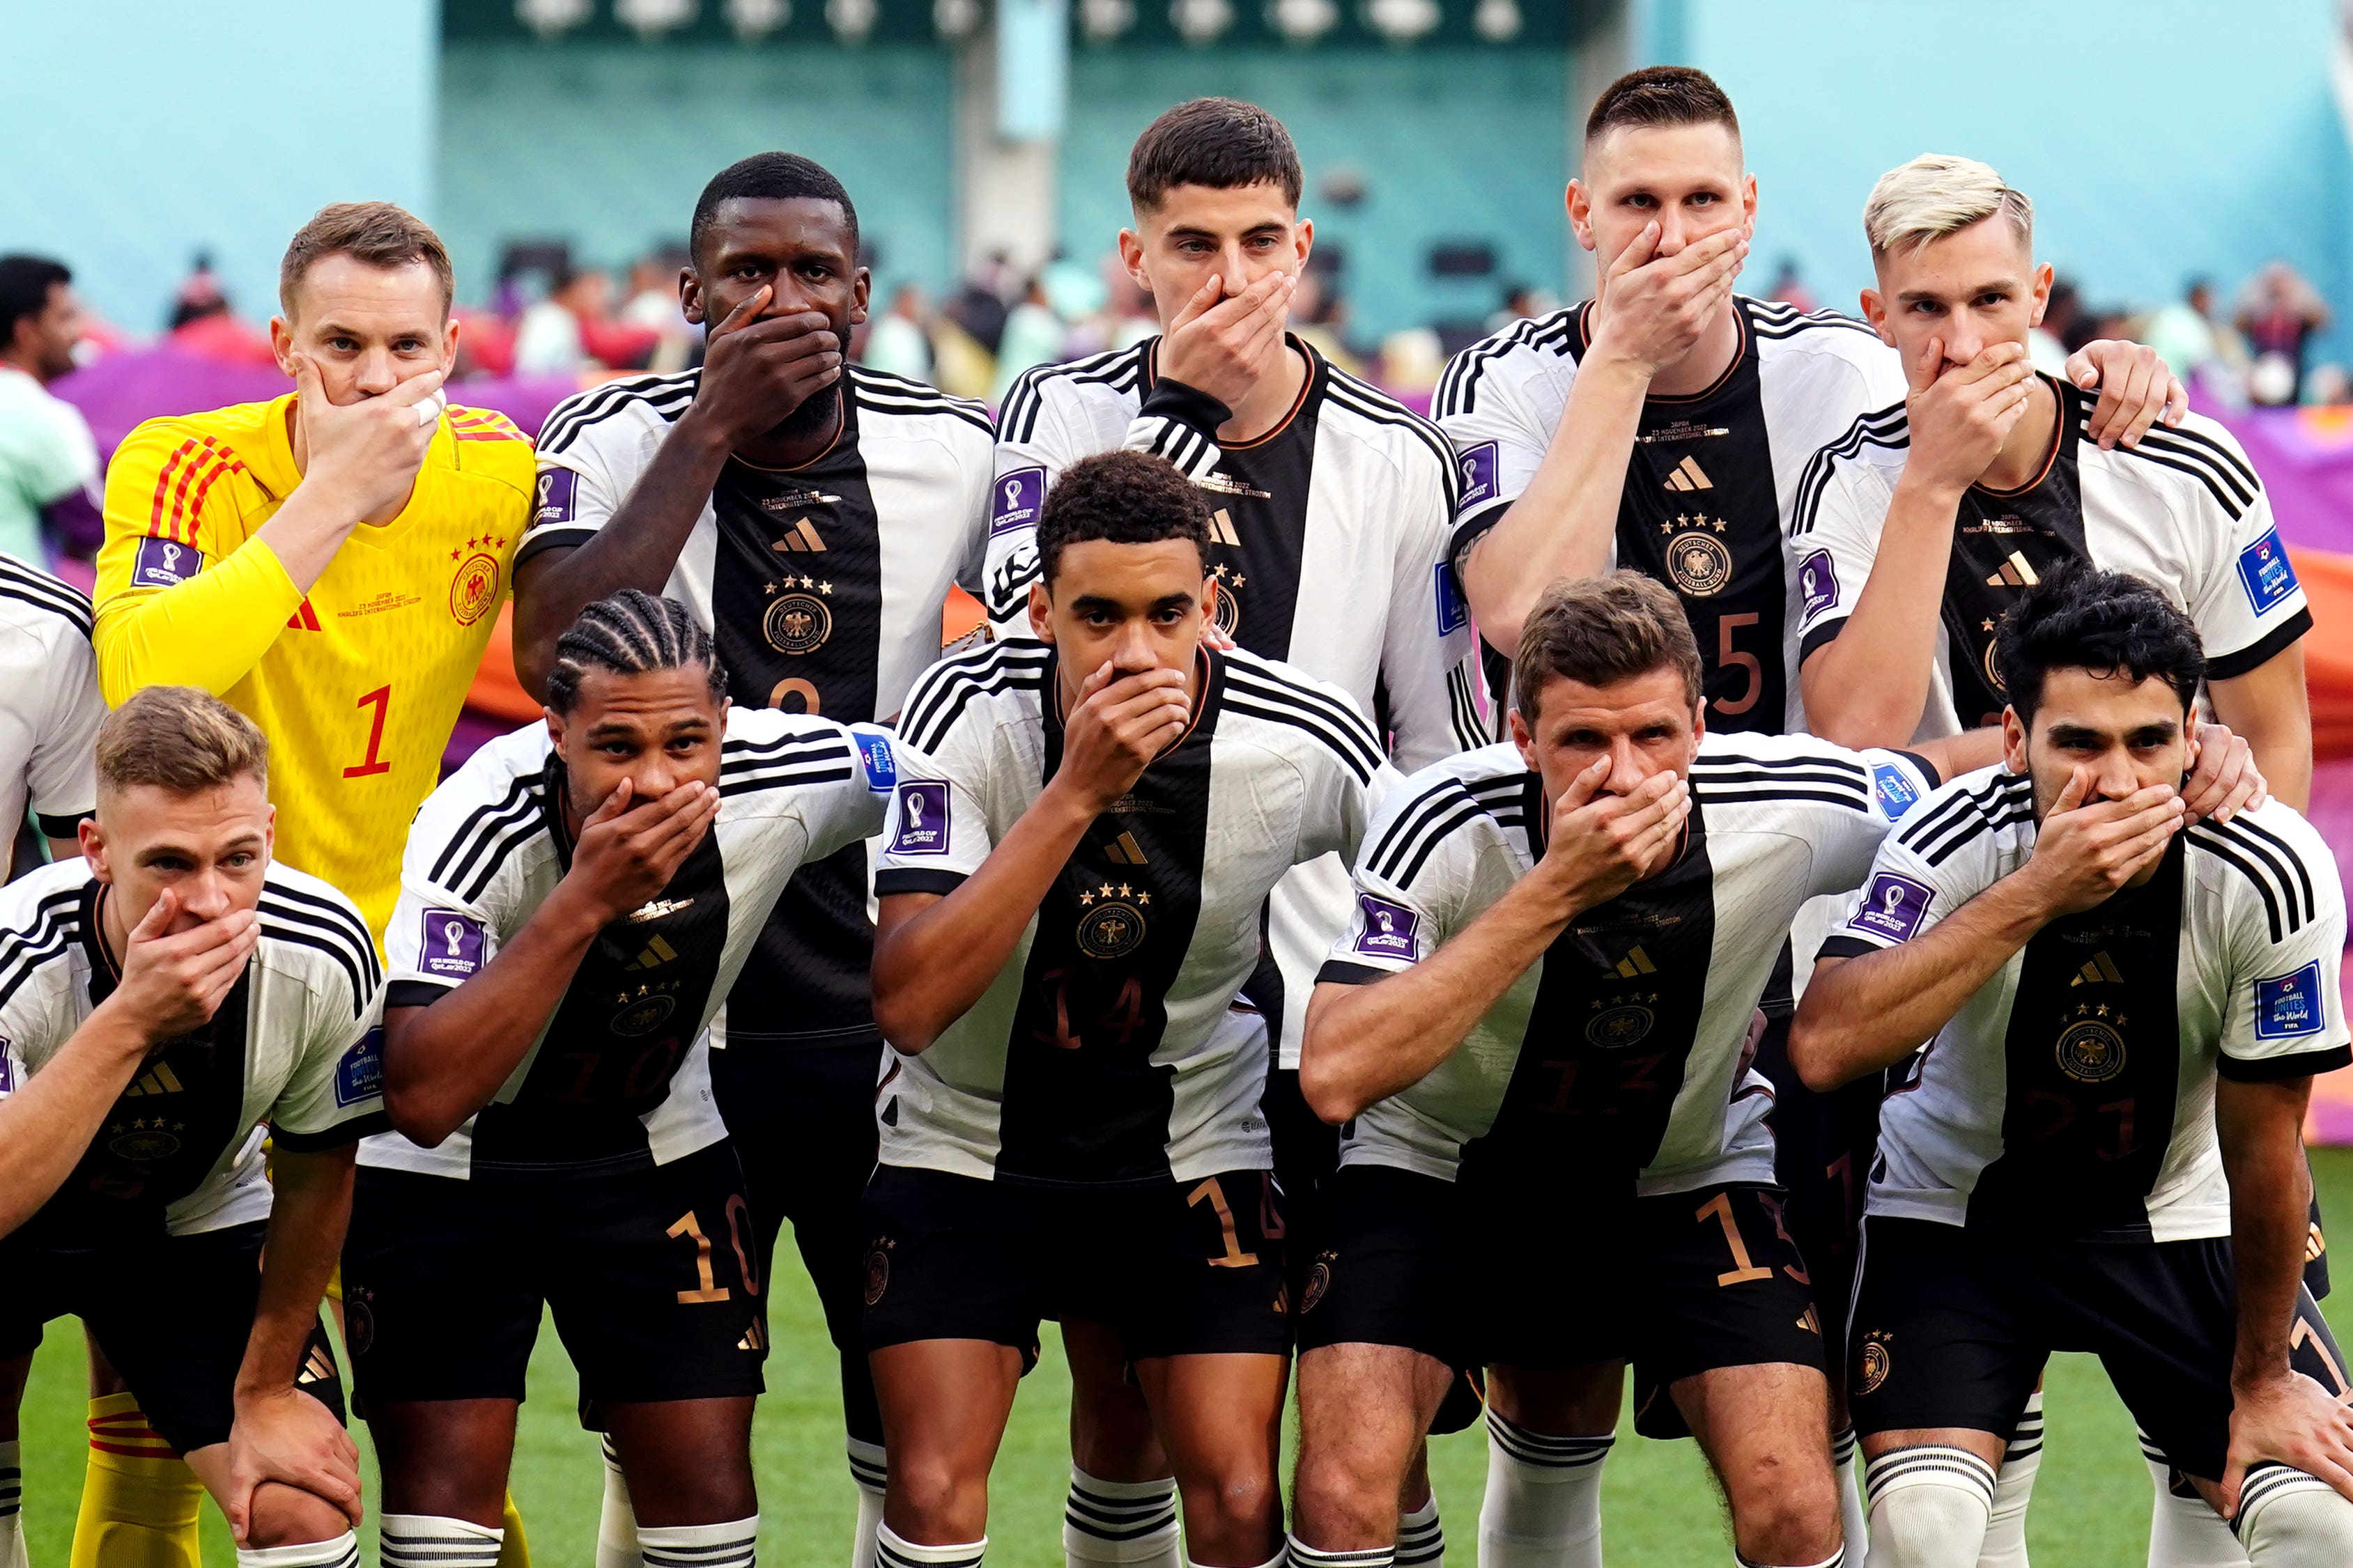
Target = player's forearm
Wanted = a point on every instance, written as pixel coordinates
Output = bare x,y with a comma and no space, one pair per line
1564,523
1364,1043
1868,685
931,967
209,631
306,533
2259,1127
45,1125
1870,1012
637,547
2268,708
309,1204
444,1061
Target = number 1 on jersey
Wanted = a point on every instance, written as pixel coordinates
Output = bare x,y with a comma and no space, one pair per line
374,762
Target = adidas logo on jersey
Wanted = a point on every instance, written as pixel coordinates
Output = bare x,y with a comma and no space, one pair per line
1689,476
1809,1322
2016,572
801,538
304,618
1221,529
656,954
161,1080
1636,962
756,1339
318,1368
1124,851
2101,969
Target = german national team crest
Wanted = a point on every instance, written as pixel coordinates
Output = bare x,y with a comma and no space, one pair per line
1113,925
143,1139
878,1272
475,589
1992,671
1616,1027
643,1011
798,623
1319,1281
1698,560
2091,1049
1230,602
1871,1364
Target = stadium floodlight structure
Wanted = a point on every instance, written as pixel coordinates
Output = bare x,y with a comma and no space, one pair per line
1497,21
649,20
1402,21
1201,21
1302,21
755,19
1104,20
551,18
852,21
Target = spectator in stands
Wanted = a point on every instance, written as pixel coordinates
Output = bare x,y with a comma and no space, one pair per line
652,307
202,323
2279,313
2183,331
896,341
1789,288
48,464
1033,336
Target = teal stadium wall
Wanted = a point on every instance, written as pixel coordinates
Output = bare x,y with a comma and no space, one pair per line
608,145
2159,139
138,130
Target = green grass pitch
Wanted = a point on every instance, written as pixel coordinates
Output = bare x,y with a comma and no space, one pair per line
2090,1503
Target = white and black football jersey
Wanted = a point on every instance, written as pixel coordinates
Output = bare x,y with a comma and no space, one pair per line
298,1044
1110,1048
620,1078
2074,1094
1328,543
823,586
1710,485
2182,511
50,705
1618,1060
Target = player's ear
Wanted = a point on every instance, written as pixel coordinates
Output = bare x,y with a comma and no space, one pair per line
1748,204
555,728
1131,255
1699,721
1041,611
1579,202
450,343
2042,293
270,832
2013,740
1874,311
690,296
1522,737
93,848
861,294
282,343
1302,235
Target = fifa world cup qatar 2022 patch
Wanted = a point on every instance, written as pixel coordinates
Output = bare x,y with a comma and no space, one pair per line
1015,500
452,947
1818,580
1478,467
1389,929
922,818
1892,908
557,493
163,562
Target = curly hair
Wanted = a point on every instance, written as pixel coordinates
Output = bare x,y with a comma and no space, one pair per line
2108,623
1125,498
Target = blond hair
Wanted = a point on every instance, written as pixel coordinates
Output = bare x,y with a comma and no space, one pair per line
1598,631
179,739
1936,195
376,233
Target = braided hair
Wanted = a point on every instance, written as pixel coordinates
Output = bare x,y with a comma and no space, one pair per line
630,633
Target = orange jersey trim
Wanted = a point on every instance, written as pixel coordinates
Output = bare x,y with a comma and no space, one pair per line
199,465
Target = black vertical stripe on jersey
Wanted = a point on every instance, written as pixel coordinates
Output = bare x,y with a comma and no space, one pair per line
156,1144
613,1047
2044,524
1260,575
2078,1158
1580,1106
1100,1112
1741,497
807,981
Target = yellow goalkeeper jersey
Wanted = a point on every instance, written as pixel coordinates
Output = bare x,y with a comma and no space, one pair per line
358,683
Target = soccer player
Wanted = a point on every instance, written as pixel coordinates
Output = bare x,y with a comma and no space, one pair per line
1542,1008
2107,1019
1332,507
1664,425
1919,528
330,562
576,901
167,992
811,515
1084,831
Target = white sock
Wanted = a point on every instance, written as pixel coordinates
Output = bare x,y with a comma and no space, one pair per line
1846,1463
734,1544
1543,1508
1299,1554
342,1552
1928,1507
870,1469
1121,1524
2013,1488
2290,1519
426,1540
12,1494
2184,1531
1421,1538
616,1522
893,1551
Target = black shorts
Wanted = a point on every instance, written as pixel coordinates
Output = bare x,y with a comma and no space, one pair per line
173,1314
1952,1327
649,1274
1177,1268
1679,1284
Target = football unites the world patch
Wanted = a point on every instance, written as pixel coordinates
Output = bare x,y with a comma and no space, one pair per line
922,818
1897,793
2288,1005
875,755
360,1075
1453,610
2264,569
1892,908
452,947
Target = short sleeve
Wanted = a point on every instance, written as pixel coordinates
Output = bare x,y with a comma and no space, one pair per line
1832,543
1408,880
1848,842
851,810
336,1093
2284,1016
575,491
62,773
1498,407
2250,608
1429,666
1907,891
937,831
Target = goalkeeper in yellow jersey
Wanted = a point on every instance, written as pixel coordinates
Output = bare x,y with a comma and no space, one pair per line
331,562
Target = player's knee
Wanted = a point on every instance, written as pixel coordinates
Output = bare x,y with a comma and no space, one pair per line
288,1516
2290,1519
1785,1512
1338,1494
1240,1491
934,1494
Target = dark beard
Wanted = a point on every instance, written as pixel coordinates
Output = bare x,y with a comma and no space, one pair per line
814,419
